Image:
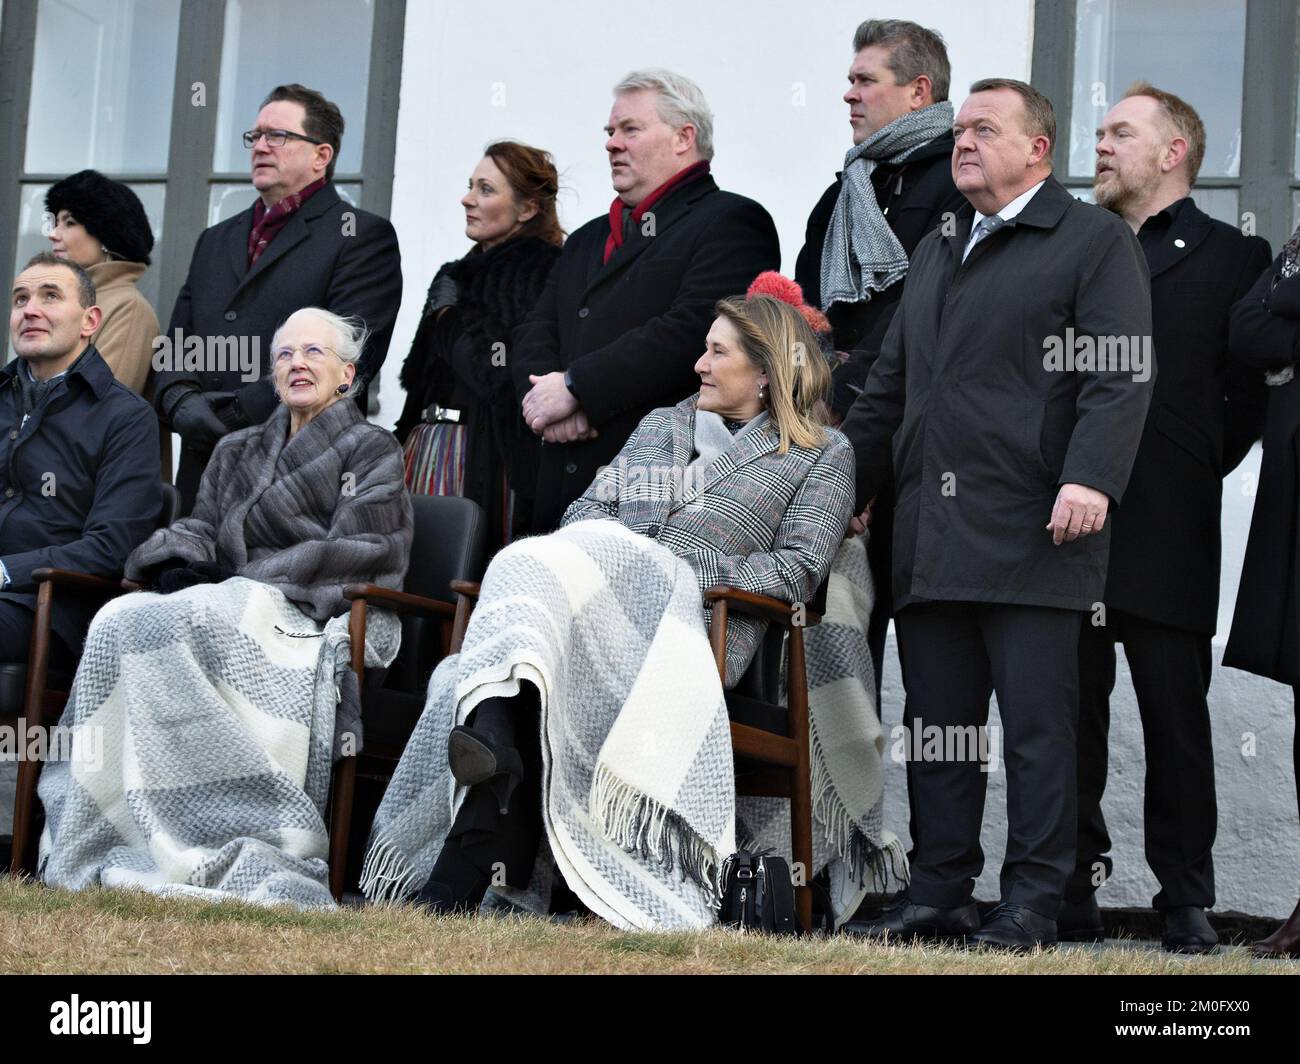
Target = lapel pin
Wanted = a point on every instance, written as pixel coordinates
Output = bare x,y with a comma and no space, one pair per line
1180,243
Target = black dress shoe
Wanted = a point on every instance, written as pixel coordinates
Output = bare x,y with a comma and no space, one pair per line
1015,929
904,919
1188,931
1080,921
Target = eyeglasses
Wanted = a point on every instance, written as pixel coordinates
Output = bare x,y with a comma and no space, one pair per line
311,352
276,138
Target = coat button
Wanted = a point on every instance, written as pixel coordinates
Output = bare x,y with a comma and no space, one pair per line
571,468
652,532
231,315
13,434
584,312
9,493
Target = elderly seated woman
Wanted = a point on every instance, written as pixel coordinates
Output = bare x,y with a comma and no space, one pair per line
586,700
203,713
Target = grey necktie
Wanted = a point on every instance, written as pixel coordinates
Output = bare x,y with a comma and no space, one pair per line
988,225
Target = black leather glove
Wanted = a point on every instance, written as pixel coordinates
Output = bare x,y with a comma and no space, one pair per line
182,576
196,421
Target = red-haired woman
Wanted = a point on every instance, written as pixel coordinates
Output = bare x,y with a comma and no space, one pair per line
461,426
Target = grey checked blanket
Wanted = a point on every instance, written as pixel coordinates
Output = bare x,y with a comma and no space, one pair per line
639,791
204,726
849,839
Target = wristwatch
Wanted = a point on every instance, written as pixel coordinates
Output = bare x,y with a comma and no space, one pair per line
568,383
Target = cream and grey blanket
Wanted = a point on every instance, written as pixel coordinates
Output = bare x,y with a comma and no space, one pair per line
204,725
639,791
848,784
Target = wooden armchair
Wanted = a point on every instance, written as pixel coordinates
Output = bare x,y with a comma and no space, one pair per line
450,544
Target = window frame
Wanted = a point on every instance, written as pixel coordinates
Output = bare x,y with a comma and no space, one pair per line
189,173
1266,181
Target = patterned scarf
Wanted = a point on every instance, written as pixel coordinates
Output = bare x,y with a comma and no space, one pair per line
621,219
861,254
1291,256
268,221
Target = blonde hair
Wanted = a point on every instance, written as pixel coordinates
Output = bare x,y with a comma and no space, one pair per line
777,340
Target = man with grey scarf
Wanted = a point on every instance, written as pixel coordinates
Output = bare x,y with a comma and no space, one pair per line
896,186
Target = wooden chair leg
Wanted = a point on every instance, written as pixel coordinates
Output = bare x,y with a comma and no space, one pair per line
344,783
38,661
801,792
344,786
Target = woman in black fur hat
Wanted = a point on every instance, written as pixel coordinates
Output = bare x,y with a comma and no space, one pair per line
100,224
461,424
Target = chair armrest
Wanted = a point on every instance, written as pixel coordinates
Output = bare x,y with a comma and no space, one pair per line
400,601
467,588
83,581
786,614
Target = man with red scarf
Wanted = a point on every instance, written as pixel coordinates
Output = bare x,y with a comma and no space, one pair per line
623,317
299,245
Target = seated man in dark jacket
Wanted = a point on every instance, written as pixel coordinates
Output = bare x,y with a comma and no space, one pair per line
79,485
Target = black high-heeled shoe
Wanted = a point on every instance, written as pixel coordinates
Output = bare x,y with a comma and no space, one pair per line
476,760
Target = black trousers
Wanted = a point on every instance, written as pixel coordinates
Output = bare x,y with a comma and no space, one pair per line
505,847
16,636
880,559
954,655
1171,677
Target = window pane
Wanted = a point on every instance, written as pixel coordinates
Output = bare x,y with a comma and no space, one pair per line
225,201
1201,57
275,42
102,85
32,230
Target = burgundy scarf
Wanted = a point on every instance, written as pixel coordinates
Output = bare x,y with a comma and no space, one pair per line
615,239
268,221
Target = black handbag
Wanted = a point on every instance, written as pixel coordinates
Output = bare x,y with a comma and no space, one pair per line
757,893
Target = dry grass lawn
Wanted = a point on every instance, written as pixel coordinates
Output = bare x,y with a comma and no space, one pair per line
49,931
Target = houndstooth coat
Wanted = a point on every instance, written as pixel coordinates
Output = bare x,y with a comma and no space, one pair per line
755,519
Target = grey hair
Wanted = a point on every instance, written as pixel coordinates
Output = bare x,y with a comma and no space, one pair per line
913,51
680,102
350,336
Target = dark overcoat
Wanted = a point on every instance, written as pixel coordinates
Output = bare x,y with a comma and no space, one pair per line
79,486
1206,412
1265,333
329,254
986,425
631,330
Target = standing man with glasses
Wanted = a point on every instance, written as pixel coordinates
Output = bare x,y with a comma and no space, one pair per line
299,245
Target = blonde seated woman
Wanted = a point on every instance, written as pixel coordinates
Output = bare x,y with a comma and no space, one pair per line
585,701
204,712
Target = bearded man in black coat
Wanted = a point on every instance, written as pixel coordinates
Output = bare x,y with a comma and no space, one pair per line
896,186
1007,404
1162,589
622,320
